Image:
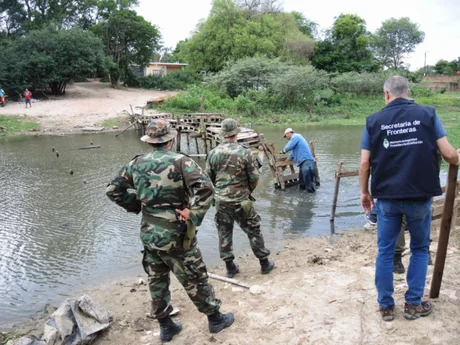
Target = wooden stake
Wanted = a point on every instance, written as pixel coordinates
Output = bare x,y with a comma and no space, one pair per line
228,280
188,141
312,149
130,125
205,144
196,144
444,231
178,138
202,103
336,190
132,111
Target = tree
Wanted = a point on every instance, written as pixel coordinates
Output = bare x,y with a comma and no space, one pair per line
306,26
346,47
394,40
445,67
129,40
51,58
228,35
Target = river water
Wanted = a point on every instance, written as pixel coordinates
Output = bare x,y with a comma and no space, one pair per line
60,234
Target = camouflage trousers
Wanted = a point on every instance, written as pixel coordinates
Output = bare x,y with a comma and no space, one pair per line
225,217
191,272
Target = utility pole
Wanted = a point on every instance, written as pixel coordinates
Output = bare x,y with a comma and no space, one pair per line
424,74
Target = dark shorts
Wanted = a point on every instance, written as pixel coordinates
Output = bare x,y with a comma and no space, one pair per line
28,100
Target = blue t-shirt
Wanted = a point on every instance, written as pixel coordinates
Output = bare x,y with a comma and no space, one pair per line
439,130
300,149
2,93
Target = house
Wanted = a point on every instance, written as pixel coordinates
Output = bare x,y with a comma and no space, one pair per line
158,68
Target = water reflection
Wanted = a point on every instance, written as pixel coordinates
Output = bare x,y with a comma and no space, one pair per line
59,233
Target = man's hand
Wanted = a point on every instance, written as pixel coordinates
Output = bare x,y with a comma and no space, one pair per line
184,214
282,152
367,202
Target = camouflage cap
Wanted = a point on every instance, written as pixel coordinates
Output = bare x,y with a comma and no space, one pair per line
229,128
158,131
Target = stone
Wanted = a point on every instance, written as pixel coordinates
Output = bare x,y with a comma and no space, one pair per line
256,290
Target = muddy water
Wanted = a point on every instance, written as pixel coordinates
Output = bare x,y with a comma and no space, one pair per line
60,234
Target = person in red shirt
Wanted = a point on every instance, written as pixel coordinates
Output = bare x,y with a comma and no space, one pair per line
28,96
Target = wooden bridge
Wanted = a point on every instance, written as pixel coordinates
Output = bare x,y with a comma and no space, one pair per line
206,128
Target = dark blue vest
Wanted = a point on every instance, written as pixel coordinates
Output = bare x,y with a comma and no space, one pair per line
403,152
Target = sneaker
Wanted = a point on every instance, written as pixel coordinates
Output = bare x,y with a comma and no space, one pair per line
388,313
371,218
412,312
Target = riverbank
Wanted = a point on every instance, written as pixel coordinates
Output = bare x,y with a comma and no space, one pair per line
89,104
321,292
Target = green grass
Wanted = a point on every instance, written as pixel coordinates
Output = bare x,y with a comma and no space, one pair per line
112,122
16,124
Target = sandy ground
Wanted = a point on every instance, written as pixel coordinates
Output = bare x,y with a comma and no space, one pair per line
322,292
84,104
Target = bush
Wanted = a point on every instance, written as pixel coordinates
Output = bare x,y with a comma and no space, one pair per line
418,90
296,86
358,83
178,80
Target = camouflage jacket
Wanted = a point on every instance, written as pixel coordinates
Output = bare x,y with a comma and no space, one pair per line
159,182
233,170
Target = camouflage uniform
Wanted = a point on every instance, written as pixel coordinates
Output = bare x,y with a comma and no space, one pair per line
232,168
157,183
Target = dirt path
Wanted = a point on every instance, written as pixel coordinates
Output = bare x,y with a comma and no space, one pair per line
322,292
84,104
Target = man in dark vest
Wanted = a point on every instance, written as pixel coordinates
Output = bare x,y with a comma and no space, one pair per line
399,147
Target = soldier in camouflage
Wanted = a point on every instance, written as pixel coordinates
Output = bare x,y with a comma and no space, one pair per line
234,171
169,189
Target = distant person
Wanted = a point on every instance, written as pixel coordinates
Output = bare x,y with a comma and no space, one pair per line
398,148
303,158
173,194
2,96
233,169
28,96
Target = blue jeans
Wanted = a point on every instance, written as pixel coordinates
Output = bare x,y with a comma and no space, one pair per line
389,214
307,175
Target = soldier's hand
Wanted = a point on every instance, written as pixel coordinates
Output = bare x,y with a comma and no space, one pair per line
184,214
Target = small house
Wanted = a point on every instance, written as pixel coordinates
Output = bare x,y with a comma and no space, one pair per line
160,68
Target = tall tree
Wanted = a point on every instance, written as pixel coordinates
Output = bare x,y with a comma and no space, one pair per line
394,40
129,40
50,58
228,34
306,26
346,47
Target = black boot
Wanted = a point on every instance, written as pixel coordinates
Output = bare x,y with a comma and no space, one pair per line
267,265
168,329
232,268
398,265
218,321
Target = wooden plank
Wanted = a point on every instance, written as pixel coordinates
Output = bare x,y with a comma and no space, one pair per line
92,129
284,163
444,231
348,173
290,177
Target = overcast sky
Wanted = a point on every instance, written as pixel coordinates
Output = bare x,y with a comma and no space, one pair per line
439,19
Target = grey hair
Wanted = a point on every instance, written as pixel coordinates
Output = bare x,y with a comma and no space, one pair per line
397,86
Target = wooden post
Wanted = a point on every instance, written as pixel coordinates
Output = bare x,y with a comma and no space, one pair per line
132,111
205,144
196,144
444,231
188,141
202,103
336,190
179,130
312,149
